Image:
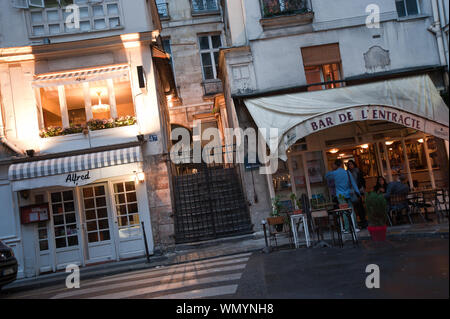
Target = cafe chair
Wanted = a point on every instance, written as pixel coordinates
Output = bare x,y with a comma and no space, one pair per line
279,226
397,204
442,204
322,223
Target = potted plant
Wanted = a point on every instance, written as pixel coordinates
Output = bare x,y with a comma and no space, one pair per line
276,219
296,203
376,214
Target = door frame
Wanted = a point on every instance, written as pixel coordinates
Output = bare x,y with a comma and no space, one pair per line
111,224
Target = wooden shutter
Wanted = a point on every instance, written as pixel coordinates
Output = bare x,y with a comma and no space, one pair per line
321,54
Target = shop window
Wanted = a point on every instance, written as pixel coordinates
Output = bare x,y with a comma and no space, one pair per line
407,7
322,65
64,219
126,205
209,53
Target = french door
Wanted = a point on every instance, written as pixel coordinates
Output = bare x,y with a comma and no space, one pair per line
65,229
97,224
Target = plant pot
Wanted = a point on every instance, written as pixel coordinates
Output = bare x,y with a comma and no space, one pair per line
343,206
378,233
297,212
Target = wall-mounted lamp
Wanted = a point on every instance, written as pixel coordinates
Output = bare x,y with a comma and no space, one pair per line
30,153
139,177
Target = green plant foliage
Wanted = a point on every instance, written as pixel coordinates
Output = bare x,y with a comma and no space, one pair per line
276,206
376,209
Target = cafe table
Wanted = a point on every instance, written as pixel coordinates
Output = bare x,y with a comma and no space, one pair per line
339,215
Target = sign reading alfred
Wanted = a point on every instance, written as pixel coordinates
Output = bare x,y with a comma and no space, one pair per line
78,179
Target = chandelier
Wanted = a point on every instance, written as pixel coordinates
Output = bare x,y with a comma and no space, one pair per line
100,107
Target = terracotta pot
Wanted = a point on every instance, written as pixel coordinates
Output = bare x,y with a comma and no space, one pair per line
343,206
297,212
378,233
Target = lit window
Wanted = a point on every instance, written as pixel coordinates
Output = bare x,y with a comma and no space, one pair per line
322,74
74,105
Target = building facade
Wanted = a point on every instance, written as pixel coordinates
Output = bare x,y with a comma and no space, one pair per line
320,72
84,126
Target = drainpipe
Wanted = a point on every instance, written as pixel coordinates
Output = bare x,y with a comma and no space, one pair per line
3,139
436,29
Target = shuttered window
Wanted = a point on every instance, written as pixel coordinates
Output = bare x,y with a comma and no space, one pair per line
321,54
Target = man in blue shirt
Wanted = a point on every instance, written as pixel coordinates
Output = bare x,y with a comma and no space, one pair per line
345,185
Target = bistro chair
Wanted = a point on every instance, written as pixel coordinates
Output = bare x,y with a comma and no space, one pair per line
442,202
279,226
415,202
397,204
322,222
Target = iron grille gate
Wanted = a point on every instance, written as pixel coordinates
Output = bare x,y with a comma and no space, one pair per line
209,202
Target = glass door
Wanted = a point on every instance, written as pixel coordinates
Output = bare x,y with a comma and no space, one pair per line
127,219
97,224
65,227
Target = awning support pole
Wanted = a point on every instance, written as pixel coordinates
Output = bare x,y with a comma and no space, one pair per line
408,169
291,173
305,169
429,166
388,163
380,161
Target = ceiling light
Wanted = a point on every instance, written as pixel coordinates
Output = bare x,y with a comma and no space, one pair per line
420,140
365,146
389,142
100,107
333,150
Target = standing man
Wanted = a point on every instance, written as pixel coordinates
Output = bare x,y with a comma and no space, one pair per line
345,185
361,182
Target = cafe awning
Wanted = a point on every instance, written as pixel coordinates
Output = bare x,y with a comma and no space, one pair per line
413,102
76,170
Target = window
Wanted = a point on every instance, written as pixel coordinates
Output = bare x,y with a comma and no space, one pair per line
322,64
321,74
126,204
282,7
64,219
73,105
167,47
163,8
199,6
209,53
407,7
53,19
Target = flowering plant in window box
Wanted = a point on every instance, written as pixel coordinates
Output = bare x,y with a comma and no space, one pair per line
53,131
95,125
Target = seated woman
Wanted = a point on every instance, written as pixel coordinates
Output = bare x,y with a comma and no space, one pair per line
381,185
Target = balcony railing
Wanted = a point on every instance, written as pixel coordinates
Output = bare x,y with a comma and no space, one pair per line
272,8
204,6
163,10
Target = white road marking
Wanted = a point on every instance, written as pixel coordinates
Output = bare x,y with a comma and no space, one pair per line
202,293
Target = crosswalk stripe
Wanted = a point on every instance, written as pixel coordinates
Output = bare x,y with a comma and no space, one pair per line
129,284
153,272
165,287
202,293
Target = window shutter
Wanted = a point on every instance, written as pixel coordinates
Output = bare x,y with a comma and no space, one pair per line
321,54
37,3
20,4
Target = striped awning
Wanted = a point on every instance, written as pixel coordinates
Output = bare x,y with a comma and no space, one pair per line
83,75
72,164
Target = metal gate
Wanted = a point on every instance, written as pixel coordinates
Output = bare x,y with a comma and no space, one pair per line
209,202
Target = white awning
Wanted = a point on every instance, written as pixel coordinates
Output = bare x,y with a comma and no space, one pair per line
75,170
79,76
413,102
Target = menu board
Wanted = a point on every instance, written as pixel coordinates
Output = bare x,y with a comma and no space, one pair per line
34,213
